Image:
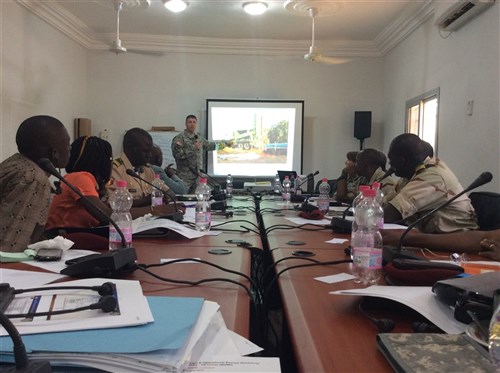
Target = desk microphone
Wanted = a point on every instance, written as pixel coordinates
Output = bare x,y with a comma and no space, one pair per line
177,215
390,253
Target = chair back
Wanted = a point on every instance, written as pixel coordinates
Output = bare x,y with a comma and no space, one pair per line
487,206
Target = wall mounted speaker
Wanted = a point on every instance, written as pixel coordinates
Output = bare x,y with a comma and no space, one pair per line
362,124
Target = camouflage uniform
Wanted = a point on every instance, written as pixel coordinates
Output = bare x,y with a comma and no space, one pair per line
137,188
188,158
433,184
387,185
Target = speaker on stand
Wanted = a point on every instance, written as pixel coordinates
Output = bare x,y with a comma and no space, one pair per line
362,126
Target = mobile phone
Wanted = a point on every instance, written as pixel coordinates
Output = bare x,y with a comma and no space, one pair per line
48,255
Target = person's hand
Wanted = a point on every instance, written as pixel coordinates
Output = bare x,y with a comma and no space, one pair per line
492,248
197,144
230,143
170,171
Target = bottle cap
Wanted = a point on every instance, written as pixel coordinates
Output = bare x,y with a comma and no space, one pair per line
376,185
362,188
157,176
121,183
370,193
324,180
203,180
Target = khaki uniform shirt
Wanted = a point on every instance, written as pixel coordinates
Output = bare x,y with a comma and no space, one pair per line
24,201
137,188
189,159
431,185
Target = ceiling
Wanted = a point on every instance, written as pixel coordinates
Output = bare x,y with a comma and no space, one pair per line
354,28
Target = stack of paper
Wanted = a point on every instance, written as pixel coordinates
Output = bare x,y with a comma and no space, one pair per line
187,333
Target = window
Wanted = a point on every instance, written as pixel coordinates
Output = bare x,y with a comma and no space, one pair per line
422,117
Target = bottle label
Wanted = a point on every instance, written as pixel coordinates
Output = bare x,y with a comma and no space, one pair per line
203,218
114,236
367,257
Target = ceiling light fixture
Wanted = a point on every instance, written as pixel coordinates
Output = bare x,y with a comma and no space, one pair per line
175,6
255,8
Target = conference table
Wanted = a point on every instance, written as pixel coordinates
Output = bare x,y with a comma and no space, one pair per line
321,332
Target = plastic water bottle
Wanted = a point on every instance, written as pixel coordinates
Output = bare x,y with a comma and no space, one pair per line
355,203
296,187
121,202
285,193
156,194
324,196
366,242
292,184
380,194
380,199
203,216
277,184
229,186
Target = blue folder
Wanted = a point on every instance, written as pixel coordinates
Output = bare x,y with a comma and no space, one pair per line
174,317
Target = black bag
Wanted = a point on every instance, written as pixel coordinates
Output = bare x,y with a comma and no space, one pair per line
469,294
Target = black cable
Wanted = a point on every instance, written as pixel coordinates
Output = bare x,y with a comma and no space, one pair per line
235,221
194,283
20,355
301,226
316,263
203,262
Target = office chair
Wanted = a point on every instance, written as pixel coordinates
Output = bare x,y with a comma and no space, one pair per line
487,206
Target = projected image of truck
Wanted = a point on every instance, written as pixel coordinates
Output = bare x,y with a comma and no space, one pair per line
267,136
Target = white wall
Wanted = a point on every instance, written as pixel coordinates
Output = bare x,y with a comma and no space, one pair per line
131,90
465,66
42,72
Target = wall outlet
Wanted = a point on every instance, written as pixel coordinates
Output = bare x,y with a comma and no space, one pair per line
105,134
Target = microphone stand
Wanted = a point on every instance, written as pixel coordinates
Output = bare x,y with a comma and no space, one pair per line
177,216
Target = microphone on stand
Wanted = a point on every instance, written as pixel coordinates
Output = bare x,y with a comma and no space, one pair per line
109,264
177,215
388,173
390,253
308,177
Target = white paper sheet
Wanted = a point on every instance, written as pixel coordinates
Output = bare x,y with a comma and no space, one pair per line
59,265
420,298
26,279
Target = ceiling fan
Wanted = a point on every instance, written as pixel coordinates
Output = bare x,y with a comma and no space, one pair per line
116,45
314,54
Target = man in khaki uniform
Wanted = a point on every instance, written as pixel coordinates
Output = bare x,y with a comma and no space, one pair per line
137,147
188,148
370,163
430,183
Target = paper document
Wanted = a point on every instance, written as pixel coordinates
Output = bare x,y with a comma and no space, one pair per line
132,308
145,224
300,221
58,266
420,298
25,279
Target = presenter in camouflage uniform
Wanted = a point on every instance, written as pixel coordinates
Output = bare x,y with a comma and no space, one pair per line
430,183
188,148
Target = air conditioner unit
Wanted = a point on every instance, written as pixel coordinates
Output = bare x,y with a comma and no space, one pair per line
460,12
